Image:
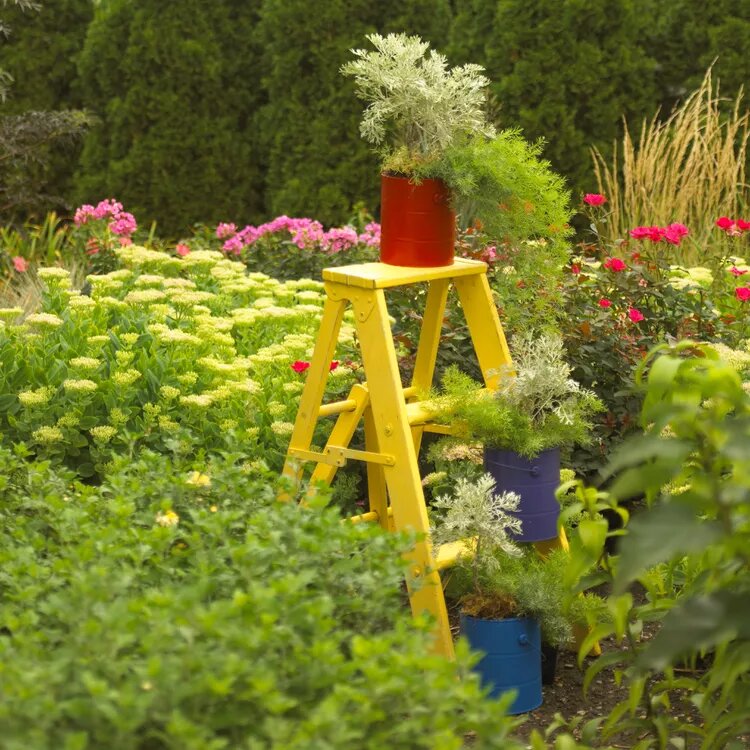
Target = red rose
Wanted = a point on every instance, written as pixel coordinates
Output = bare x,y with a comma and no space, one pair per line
594,199
334,364
299,366
742,293
636,315
724,222
743,225
604,302
615,264
675,232
575,269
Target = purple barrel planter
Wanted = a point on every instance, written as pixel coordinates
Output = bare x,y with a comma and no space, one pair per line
535,481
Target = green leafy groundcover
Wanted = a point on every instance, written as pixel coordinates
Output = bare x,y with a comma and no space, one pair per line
169,608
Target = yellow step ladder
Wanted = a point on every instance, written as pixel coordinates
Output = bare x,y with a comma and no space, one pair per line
394,421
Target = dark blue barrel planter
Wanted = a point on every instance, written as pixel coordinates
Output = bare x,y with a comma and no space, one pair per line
512,660
535,480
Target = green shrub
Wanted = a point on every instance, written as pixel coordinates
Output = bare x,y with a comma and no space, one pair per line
563,71
687,548
235,622
176,86
39,134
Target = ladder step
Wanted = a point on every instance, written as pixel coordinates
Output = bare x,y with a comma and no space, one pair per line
447,554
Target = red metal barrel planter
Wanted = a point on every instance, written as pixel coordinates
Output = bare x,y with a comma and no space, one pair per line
418,224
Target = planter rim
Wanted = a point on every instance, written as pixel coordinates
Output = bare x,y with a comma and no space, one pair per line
502,619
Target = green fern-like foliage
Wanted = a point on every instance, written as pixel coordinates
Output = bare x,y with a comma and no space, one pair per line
504,184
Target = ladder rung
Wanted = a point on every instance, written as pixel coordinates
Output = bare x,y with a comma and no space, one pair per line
448,554
418,414
337,407
369,517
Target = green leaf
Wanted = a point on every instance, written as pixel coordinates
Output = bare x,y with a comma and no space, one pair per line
593,534
644,448
698,623
659,534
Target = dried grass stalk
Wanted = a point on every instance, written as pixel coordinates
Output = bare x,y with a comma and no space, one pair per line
688,168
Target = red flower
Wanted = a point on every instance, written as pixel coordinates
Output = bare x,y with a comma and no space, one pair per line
299,366
675,232
636,315
604,302
724,222
20,264
334,364
594,199
615,264
575,269
743,225
736,271
742,293
182,250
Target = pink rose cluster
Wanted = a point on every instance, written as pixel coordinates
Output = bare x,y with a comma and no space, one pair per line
121,223
733,227
673,233
306,234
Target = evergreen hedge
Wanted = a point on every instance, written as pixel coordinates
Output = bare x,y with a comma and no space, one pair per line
176,86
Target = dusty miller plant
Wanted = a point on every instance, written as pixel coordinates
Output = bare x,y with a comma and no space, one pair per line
419,101
474,511
539,382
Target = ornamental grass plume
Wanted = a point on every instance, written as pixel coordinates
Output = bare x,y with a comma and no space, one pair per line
690,166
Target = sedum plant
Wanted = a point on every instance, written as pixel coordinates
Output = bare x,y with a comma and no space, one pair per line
416,99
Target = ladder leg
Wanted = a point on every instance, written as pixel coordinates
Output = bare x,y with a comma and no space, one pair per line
317,373
429,342
376,487
486,332
402,479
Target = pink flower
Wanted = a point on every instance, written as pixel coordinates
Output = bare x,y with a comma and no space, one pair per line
604,302
20,264
736,271
654,234
675,232
635,315
233,245
742,293
182,250
575,269
594,199
123,224
334,364
300,365
615,264
490,253
225,231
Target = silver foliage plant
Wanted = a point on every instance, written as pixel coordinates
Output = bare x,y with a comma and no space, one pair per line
417,99
539,381
475,511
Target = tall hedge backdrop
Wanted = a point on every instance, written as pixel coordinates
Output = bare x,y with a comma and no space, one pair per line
234,109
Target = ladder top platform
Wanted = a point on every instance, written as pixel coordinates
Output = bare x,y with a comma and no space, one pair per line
382,275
